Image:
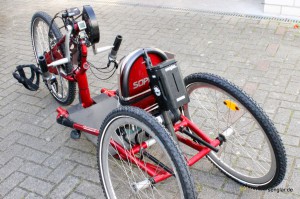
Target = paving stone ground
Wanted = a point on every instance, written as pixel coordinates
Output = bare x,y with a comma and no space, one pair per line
39,160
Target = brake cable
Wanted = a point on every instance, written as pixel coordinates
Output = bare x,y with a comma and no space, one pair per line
50,27
106,78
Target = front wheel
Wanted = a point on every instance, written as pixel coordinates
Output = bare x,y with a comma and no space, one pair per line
60,88
122,175
253,153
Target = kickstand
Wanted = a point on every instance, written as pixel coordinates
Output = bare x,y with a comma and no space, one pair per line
75,134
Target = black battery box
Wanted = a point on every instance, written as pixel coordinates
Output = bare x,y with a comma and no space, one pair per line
167,85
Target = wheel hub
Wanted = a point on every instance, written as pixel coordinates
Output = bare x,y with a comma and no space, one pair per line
138,186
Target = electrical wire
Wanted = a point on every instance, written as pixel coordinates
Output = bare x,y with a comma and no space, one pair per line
112,71
101,69
103,78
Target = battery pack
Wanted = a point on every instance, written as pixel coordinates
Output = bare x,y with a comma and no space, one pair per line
167,85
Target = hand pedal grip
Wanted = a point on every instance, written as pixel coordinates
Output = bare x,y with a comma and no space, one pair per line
43,64
116,47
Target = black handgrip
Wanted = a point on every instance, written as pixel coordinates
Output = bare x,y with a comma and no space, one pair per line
116,47
43,64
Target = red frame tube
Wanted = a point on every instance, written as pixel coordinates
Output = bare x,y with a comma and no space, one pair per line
56,55
110,93
150,169
202,153
86,129
80,76
189,142
185,122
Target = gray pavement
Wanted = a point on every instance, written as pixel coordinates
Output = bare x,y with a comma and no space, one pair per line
39,160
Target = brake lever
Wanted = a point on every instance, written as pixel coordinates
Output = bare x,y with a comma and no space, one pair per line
116,63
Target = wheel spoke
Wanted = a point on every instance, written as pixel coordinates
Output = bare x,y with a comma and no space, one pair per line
244,146
41,36
124,172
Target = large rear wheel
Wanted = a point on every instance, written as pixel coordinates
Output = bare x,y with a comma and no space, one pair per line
253,153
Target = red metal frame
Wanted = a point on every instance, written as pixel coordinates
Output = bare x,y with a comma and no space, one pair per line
150,169
56,55
79,75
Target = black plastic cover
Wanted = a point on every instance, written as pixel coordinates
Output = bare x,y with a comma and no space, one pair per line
92,27
167,85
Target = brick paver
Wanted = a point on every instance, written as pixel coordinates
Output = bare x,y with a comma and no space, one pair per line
39,160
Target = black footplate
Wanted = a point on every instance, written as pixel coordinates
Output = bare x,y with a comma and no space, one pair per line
20,75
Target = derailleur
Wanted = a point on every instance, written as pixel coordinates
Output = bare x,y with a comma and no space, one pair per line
51,83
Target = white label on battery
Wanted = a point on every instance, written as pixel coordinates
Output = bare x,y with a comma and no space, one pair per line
171,67
180,98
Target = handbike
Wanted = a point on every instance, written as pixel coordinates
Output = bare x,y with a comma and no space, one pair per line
136,156
138,150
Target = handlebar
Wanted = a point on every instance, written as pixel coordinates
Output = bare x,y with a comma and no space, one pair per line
114,50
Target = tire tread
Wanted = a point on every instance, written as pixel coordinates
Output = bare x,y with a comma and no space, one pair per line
260,116
170,146
47,19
